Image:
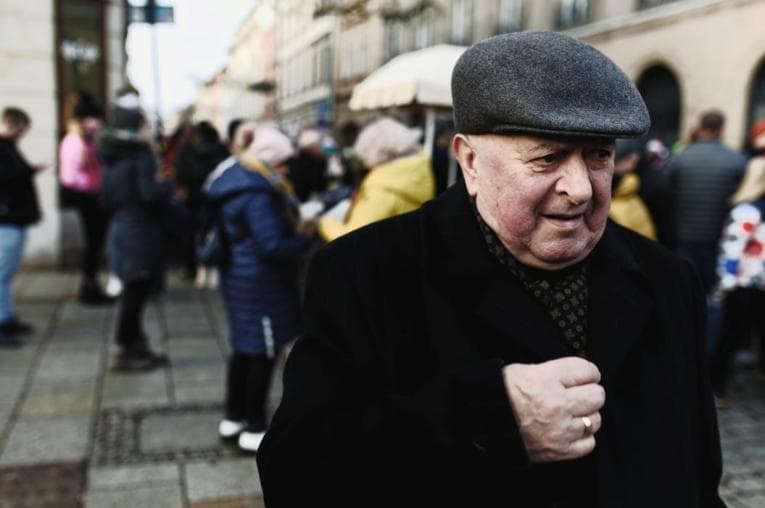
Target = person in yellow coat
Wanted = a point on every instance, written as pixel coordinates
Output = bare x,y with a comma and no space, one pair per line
400,178
627,207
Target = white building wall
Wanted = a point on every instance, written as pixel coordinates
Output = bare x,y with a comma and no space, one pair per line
28,81
713,47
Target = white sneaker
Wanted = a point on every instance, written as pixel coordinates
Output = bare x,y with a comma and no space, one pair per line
228,429
250,441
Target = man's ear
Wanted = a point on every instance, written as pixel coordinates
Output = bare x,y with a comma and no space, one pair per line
465,154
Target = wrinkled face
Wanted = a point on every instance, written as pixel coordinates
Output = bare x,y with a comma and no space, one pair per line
547,199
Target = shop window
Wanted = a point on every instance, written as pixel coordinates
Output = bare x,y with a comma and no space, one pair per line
510,15
646,4
462,21
573,13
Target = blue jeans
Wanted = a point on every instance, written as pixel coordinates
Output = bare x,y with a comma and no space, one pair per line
11,248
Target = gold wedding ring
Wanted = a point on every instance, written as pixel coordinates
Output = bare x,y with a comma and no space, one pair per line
587,424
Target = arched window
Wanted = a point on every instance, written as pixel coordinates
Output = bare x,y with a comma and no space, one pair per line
661,93
757,96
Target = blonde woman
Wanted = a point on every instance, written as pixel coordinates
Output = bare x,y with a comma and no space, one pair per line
265,242
399,180
741,266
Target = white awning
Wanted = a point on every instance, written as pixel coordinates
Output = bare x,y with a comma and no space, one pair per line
419,77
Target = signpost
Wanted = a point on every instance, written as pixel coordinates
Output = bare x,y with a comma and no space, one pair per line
152,14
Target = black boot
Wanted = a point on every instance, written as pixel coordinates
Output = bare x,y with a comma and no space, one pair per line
9,340
137,359
93,295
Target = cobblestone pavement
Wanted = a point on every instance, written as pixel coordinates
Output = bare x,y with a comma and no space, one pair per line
149,440
144,440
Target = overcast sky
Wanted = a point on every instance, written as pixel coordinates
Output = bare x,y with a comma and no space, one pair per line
191,50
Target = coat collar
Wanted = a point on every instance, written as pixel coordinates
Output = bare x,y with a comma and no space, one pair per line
460,266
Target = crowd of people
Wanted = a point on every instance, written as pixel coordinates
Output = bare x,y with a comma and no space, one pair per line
270,202
703,202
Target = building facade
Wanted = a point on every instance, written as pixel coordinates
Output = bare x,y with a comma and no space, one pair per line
306,49
691,56
686,56
48,50
245,87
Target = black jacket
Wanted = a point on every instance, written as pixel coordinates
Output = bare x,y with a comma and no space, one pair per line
139,204
702,178
394,395
18,197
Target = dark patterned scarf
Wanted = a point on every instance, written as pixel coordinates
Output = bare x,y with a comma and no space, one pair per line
563,293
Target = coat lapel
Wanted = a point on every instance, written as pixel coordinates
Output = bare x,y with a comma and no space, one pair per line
515,315
460,270
620,303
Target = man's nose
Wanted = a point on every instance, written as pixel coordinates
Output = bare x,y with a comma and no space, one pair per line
575,180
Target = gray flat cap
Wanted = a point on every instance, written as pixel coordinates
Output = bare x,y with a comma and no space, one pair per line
544,83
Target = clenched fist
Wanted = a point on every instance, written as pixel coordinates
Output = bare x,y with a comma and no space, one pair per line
553,404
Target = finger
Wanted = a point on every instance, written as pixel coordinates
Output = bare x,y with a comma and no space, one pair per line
574,371
581,447
585,399
597,422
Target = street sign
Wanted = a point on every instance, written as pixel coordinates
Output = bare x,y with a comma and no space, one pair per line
143,14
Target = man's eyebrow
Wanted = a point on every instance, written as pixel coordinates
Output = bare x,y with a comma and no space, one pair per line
547,145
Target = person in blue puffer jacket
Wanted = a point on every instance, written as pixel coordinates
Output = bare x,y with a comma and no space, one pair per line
266,242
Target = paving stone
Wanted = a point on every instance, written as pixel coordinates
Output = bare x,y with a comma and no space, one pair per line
195,347
48,286
135,389
36,312
39,441
194,326
10,388
755,501
75,366
159,496
63,345
191,430
16,362
111,478
153,321
60,400
230,478
199,370
5,415
202,393
57,485
744,484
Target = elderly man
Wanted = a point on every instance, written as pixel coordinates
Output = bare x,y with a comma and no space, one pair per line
504,345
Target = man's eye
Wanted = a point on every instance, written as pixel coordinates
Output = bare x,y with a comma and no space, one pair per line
602,153
551,158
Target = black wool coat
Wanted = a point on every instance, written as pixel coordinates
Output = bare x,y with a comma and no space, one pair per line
394,395
140,205
18,196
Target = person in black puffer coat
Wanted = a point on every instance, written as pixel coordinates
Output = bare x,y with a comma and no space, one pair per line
139,200
197,157
259,282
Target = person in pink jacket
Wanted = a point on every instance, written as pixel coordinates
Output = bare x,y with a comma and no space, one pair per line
80,177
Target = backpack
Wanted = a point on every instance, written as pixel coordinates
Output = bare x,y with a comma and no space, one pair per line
210,243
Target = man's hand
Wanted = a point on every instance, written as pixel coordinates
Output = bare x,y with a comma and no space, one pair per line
553,402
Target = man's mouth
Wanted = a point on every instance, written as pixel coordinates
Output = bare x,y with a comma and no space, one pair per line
564,220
